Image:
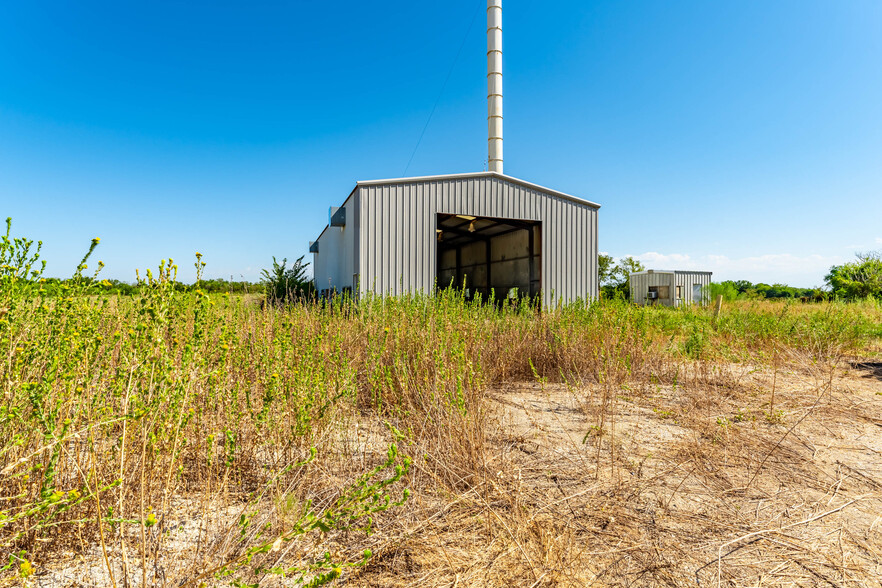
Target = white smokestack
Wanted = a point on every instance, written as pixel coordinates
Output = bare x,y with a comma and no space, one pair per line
494,84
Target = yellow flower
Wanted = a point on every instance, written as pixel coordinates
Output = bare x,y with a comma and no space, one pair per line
26,569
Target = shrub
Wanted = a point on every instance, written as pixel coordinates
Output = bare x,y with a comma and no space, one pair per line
285,284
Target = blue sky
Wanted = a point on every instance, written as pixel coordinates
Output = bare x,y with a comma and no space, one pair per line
743,137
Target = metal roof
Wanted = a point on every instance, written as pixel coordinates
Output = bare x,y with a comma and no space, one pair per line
486,174
669,272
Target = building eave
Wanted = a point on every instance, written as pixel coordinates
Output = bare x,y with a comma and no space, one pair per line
323,232
654,271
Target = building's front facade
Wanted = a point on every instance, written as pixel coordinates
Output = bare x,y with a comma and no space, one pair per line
480,231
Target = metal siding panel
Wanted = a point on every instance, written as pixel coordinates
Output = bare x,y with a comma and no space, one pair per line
418,236
559,258
595,249
551,250
383,227
376,284
564,252
365,235
429,261
369,211
409,230
401,225
514,199
398,248
582,261
545,282
586,257
575,253
398,239
430,201
356,254
390,242
378,238
502,199
547,251
394,242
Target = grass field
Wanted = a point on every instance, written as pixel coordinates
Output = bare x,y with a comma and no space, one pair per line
181,439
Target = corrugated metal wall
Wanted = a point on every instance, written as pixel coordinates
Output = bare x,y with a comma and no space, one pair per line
640,284
398,241
688,281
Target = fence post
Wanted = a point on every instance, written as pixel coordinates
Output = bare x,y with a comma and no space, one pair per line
717,307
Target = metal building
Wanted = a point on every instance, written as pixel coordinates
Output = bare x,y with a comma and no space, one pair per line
479,231
669,288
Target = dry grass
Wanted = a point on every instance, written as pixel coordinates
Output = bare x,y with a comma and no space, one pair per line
608,445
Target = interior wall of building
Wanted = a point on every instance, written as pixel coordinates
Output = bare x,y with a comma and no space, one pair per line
509,264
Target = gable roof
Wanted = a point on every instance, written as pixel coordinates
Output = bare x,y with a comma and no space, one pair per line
487,174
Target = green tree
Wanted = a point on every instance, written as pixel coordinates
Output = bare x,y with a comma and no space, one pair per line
743,286
605,265
859,279
614,281
726,289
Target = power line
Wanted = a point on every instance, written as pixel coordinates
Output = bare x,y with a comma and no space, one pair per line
443,86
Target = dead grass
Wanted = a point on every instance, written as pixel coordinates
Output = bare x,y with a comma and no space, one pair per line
599,447
665,495
660,484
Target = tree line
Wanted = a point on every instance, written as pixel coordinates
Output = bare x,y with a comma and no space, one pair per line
856,280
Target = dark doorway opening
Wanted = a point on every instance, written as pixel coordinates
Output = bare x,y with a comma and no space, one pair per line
484,255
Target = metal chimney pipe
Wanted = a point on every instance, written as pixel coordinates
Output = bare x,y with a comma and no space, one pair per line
494,85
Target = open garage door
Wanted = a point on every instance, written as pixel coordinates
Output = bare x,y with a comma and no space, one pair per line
483,255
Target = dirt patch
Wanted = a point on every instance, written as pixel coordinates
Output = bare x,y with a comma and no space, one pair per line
702,482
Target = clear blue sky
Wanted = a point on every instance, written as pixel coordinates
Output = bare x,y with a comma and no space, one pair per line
744,137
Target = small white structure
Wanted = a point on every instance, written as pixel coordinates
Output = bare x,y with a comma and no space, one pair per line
669,288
